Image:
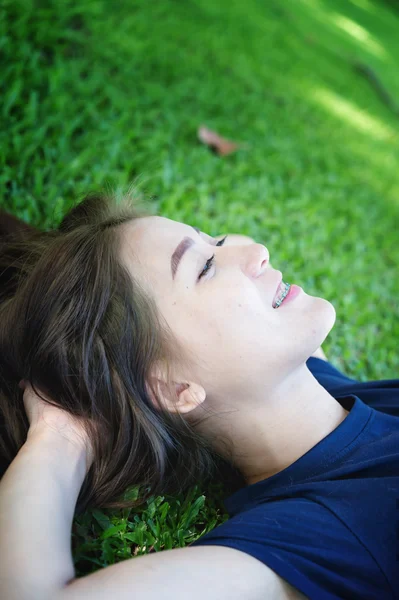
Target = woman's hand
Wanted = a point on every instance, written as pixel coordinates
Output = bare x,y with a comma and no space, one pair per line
45,418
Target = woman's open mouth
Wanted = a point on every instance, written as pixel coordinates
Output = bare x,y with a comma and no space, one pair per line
285,293
281,293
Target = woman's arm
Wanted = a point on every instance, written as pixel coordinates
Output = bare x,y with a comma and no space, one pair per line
38,494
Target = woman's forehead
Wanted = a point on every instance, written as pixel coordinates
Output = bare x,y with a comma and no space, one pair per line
152,227
148,241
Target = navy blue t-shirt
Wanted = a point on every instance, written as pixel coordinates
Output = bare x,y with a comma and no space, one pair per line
329,523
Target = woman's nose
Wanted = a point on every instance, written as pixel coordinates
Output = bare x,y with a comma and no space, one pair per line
258,259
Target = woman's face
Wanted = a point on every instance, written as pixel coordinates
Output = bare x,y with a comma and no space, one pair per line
225,316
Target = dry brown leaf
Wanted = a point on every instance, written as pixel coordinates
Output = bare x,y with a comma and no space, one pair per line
216,142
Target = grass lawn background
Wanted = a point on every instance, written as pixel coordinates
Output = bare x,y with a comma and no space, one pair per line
99,93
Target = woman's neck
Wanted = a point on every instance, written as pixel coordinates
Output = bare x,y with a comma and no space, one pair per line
269,432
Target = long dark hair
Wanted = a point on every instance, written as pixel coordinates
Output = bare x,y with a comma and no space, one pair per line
80,328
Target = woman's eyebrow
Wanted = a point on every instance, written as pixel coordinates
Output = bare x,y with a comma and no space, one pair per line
177,255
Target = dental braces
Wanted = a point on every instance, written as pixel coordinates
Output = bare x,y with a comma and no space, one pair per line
287,289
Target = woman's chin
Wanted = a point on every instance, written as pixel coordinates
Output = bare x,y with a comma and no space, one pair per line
327,314
322,315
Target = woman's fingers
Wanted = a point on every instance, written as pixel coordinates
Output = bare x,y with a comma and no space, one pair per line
44,417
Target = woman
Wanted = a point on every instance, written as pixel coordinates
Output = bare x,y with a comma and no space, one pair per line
162,350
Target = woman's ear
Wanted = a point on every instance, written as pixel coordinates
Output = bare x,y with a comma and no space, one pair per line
187,395
190,395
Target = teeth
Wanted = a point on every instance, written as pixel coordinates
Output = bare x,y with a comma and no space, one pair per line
284,289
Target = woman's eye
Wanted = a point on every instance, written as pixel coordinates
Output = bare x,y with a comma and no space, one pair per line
221,242
209,262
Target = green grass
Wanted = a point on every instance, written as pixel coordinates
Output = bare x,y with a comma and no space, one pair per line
95,93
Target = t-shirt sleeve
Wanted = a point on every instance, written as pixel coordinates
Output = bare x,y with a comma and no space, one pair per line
306,545
382,395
